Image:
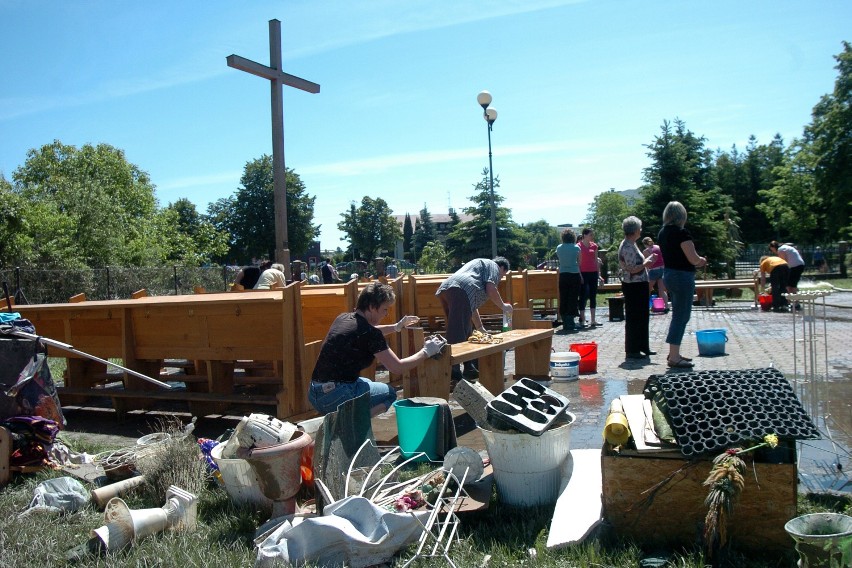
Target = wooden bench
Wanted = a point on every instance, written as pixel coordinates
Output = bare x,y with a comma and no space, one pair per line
704,288
543,290
532,359
420,298
215,330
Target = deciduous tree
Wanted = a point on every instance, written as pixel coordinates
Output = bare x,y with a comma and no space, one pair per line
370,228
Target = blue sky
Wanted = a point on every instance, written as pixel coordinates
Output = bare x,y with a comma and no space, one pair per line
580,89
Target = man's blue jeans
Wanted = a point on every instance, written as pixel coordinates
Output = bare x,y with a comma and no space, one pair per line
681,286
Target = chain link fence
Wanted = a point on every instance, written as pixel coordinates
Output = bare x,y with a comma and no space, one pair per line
34,286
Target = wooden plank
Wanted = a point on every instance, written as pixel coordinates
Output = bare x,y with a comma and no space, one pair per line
635,413
579,508
5,453
182,395
433,378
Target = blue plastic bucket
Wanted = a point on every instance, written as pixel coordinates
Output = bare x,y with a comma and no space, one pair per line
417,425
711,341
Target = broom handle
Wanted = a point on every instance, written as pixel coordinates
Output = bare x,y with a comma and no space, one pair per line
69,348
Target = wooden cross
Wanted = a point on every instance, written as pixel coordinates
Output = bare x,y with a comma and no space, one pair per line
277,79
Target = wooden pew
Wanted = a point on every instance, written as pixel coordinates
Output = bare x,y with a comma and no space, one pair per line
218,329
92,327
543,291
322,303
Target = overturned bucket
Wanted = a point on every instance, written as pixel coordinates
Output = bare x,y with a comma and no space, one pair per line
528,469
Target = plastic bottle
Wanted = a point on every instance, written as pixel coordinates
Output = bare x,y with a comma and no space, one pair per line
507,321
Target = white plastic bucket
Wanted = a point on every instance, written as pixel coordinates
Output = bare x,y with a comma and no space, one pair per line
564,366
240,480
527,468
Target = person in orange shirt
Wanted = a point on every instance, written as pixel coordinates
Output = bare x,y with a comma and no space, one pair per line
779,272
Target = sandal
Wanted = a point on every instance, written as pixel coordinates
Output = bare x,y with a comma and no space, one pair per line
682,363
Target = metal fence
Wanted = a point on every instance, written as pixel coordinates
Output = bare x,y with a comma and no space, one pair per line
33,286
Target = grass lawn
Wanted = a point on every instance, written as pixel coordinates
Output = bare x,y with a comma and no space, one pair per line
224,534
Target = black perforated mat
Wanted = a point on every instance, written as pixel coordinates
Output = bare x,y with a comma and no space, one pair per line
714,410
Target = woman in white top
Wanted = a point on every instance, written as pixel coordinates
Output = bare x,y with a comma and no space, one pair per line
272,278
793,259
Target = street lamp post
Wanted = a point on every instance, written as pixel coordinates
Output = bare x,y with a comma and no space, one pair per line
490,115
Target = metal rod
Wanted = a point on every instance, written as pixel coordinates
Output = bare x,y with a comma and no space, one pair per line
70,349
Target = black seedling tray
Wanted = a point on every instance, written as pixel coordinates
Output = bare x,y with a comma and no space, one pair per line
526,406
711,411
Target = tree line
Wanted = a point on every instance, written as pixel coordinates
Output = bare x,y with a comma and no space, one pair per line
69,207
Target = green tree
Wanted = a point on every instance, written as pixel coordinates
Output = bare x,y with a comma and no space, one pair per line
682,170
472,239
545,239
829,136
761,161
425,232
190,238
370,228
793,204
249,215
605,214
434,259
92,199
407,235
16,242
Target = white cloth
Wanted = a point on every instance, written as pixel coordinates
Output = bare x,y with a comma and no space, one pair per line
352,531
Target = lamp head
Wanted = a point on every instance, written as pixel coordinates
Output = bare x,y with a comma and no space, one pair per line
484,99
490,115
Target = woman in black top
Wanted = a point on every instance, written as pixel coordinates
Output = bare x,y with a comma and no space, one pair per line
353,341
681,261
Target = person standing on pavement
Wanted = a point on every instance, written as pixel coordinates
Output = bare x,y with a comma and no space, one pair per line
634,286
680,260
461,295
793,259
590,275
353,341
655,270
570,281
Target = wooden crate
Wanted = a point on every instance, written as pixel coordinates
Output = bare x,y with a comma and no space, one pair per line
674,515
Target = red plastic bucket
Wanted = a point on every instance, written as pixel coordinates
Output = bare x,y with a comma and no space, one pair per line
765,301
588,356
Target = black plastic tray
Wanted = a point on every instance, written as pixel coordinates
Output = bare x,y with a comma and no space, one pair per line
526,406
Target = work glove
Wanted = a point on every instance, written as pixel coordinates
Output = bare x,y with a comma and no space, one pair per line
433,346
508,308
405,322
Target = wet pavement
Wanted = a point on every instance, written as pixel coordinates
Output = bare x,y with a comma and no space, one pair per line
756,339
821,377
